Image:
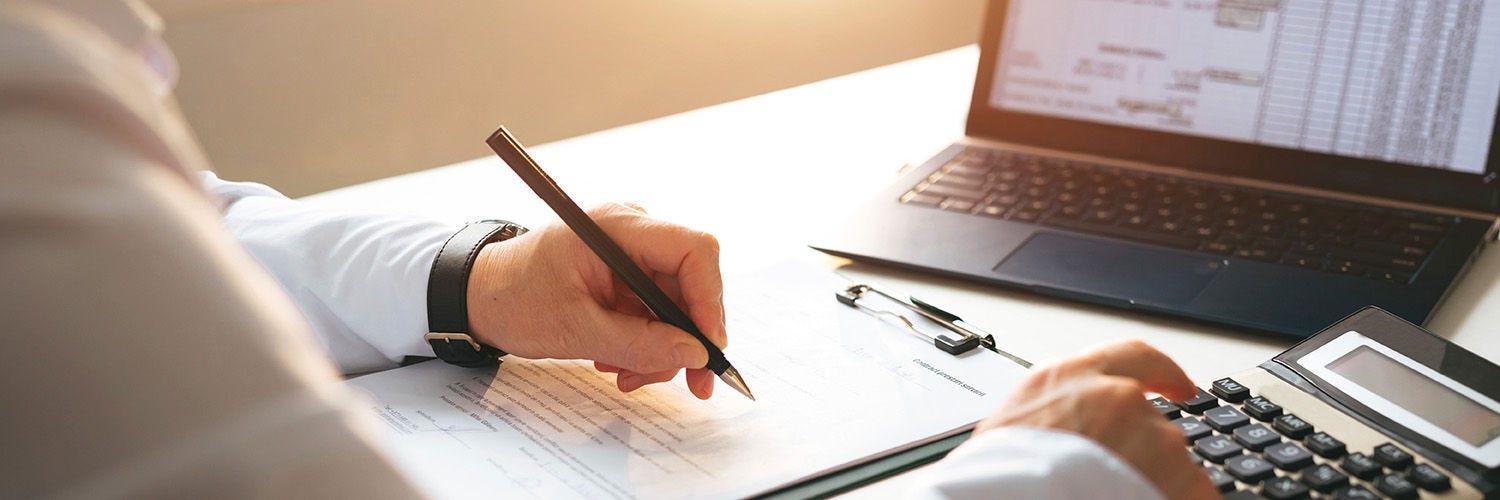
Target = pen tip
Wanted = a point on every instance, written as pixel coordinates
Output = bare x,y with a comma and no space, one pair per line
732,377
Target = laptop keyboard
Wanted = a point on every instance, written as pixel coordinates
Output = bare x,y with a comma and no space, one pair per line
1232,221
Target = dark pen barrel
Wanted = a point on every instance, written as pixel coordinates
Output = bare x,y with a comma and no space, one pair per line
594,236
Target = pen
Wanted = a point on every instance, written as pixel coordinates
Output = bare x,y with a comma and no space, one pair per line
509,149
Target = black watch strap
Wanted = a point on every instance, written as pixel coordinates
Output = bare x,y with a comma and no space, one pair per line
448,293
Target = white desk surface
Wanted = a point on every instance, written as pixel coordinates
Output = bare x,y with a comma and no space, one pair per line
767,173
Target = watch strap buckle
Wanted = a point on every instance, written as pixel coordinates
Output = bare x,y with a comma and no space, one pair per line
461,349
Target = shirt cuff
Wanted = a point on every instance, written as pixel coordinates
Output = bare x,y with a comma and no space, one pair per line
1026,462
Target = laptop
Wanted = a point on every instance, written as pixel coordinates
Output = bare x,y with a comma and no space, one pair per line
1266,164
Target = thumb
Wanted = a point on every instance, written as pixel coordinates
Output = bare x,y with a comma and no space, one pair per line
644,345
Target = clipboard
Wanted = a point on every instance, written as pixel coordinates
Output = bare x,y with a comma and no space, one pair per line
872,469
447,421
957,337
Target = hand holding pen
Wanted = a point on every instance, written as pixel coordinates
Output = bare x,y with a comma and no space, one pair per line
602,302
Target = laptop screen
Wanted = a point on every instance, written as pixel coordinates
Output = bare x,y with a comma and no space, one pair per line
1401,81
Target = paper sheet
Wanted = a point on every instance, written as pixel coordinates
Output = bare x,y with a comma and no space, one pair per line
834,385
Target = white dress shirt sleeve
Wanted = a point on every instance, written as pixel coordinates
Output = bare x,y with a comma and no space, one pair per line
1024,462
360,279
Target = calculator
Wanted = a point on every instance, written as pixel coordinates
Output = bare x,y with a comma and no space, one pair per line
1372,407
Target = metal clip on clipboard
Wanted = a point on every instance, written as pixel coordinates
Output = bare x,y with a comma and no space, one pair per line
960,337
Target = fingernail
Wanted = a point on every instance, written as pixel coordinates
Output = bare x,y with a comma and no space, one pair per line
685,355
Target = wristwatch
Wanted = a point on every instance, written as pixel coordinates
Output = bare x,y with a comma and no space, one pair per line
448,293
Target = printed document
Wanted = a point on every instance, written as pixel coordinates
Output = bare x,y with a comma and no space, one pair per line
835,385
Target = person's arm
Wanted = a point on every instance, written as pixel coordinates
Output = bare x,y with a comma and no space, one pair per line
1031,462
146,356
360,279
1080,428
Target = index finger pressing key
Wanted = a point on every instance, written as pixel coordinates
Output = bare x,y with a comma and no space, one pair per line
1140,361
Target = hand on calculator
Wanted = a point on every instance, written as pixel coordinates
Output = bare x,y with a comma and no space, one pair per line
1099,395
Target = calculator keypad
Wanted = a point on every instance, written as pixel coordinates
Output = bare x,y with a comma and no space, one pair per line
1325,445
1391,456
1229,390
1249,444
1199,403
1217,448
1292,426
1224,418
1193,428
1166,408
1361,466
1428,478
1256,437
1262,409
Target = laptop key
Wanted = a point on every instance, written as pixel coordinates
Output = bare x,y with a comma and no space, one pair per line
916,198
1260,254
958,181
1216,247
957,205
1346,267
951,191
1024,215
1068,212
1303,261
1136,221
1391,276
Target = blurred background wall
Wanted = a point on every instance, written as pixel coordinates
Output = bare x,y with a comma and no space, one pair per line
309,95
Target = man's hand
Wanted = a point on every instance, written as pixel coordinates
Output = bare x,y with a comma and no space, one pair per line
1100,395
545,294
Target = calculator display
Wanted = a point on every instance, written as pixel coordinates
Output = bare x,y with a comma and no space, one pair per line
1426,398
1416,398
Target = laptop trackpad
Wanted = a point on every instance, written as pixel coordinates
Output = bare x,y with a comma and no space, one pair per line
1100,267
